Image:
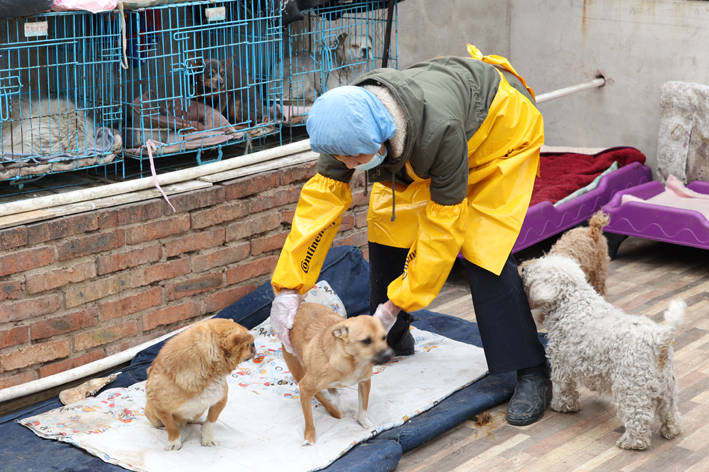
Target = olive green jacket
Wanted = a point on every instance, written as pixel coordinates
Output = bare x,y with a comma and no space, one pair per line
444,100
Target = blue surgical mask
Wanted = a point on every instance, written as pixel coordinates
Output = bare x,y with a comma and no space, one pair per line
377,159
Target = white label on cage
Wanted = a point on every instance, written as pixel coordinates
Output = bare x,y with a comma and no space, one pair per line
36,28
215,14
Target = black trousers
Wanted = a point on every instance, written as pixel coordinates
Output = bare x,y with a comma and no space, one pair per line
507,329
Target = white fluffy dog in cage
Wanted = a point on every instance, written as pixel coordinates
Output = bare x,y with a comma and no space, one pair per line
595,344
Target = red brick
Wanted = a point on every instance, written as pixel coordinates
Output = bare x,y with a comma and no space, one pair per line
34,354
61,366
76,295
104,335
250,185
250,270
202,198
287,215
123,260
347,221
256,224
13,237
28,259
268,243
359,198
92,244
64,324
222,299
298,173
61,227
185,288
220,257
157,272
29,307
10,289
361,218
219,214
14,336
169,315
194,242
131,214
274,199
357,238
17,379
58,278
158,229
130,304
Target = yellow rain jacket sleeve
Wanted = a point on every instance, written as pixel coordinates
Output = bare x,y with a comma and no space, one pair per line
440,237
317,218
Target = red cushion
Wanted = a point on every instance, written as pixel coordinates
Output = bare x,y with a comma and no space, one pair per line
563,173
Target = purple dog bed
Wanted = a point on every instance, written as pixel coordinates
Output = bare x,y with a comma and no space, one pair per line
544,220
661,223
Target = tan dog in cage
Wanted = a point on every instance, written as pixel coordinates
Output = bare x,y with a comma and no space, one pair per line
225,87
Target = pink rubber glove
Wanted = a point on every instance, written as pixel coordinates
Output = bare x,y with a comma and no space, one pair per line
283,309
386,313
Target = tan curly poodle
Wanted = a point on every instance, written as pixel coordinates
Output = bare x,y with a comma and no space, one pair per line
588,246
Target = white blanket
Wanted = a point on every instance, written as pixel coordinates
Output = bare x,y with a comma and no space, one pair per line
261,428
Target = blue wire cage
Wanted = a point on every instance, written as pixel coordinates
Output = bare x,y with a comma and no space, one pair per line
59,94
331,47
201,75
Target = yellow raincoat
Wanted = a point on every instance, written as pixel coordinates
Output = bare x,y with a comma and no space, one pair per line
462,184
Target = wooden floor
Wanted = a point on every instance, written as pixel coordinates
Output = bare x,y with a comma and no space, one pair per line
643,277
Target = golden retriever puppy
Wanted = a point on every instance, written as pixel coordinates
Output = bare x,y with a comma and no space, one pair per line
188,376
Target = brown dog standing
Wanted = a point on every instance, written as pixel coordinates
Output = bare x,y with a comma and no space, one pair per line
188,376
330,352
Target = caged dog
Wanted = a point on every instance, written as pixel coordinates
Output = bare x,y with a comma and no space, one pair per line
588,246
336,65
188,377
595,344
225,87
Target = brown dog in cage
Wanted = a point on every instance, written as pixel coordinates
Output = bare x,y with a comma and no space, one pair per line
226,87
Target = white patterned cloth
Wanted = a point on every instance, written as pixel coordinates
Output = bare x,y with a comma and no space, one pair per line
261,427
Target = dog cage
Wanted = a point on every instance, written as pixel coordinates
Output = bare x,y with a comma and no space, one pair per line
330,47
201,76
59,94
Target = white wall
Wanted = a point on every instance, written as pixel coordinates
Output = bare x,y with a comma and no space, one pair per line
429,28
637,44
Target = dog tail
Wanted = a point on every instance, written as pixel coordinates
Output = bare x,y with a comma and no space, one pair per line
598,221
674,315
674,318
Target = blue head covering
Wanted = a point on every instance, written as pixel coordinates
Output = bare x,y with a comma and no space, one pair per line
349,121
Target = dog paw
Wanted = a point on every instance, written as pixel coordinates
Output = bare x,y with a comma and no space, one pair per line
565,406
208,435
670,431
628,441
364,421
307,443
175,445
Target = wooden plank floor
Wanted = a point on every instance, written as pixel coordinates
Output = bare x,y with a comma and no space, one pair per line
643,277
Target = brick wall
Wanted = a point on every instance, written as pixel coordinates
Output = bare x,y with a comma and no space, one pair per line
78,288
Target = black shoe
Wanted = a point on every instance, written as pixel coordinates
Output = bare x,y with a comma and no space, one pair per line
531,397
399,337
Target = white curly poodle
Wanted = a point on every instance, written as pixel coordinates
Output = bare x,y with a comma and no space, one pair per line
593,343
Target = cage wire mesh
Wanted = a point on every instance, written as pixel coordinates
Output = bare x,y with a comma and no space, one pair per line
59,94
331,47
201,75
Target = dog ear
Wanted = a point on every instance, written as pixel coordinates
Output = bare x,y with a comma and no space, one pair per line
544,293
340,330
236,338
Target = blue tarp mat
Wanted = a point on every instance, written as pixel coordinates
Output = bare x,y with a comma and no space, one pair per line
348,273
